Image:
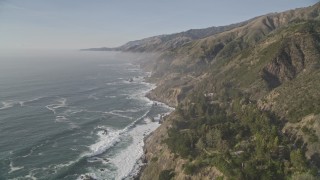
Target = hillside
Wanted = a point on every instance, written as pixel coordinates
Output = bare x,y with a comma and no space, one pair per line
246,97
247,102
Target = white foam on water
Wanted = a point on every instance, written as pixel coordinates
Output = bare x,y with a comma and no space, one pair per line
134,69
113,83
30,176
106,141
14,168
32,150
110,96
148,120
87,176
61,103
140,96
22,103
93,96
117,114
127,159
128,110
9,104
61,119
59,166
73,125
70,111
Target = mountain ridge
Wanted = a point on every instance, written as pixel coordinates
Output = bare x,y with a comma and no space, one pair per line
172,40
246,102
246,98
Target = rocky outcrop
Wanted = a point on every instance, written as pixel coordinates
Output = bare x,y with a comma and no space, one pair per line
289,62
167,96
307,130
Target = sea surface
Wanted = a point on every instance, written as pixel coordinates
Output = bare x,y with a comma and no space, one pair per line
73,115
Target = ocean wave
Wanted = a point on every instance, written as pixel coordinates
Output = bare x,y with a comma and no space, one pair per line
93,96
61,103
89,90
127,160
23,103
61,119
104,142
62,116
30,152
132,80
128,110
113,83
118,114
7,104
30,176
107,141
14,168
110,96
10,103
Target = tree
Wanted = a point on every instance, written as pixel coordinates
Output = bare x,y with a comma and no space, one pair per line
298,160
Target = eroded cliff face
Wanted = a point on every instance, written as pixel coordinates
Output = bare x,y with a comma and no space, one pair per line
296,55
172,88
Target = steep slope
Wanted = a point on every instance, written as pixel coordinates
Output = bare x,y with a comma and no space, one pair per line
247,105
190,60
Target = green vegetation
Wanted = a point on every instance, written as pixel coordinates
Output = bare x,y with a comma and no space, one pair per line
247,144
311,133
228,130
166,174
251,102
154,159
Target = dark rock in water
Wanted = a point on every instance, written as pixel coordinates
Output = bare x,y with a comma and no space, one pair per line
106,159
105,132
101,169
152,119
162,118
130,80
87,177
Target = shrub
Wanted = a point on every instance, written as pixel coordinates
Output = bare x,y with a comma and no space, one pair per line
166,174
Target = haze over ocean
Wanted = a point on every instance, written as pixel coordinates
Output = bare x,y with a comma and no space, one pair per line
71,114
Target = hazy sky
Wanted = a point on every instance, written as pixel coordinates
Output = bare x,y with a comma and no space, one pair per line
73,24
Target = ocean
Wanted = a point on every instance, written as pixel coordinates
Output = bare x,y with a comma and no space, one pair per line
73,115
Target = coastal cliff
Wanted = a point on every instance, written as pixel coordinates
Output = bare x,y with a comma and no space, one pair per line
246,97
268,66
